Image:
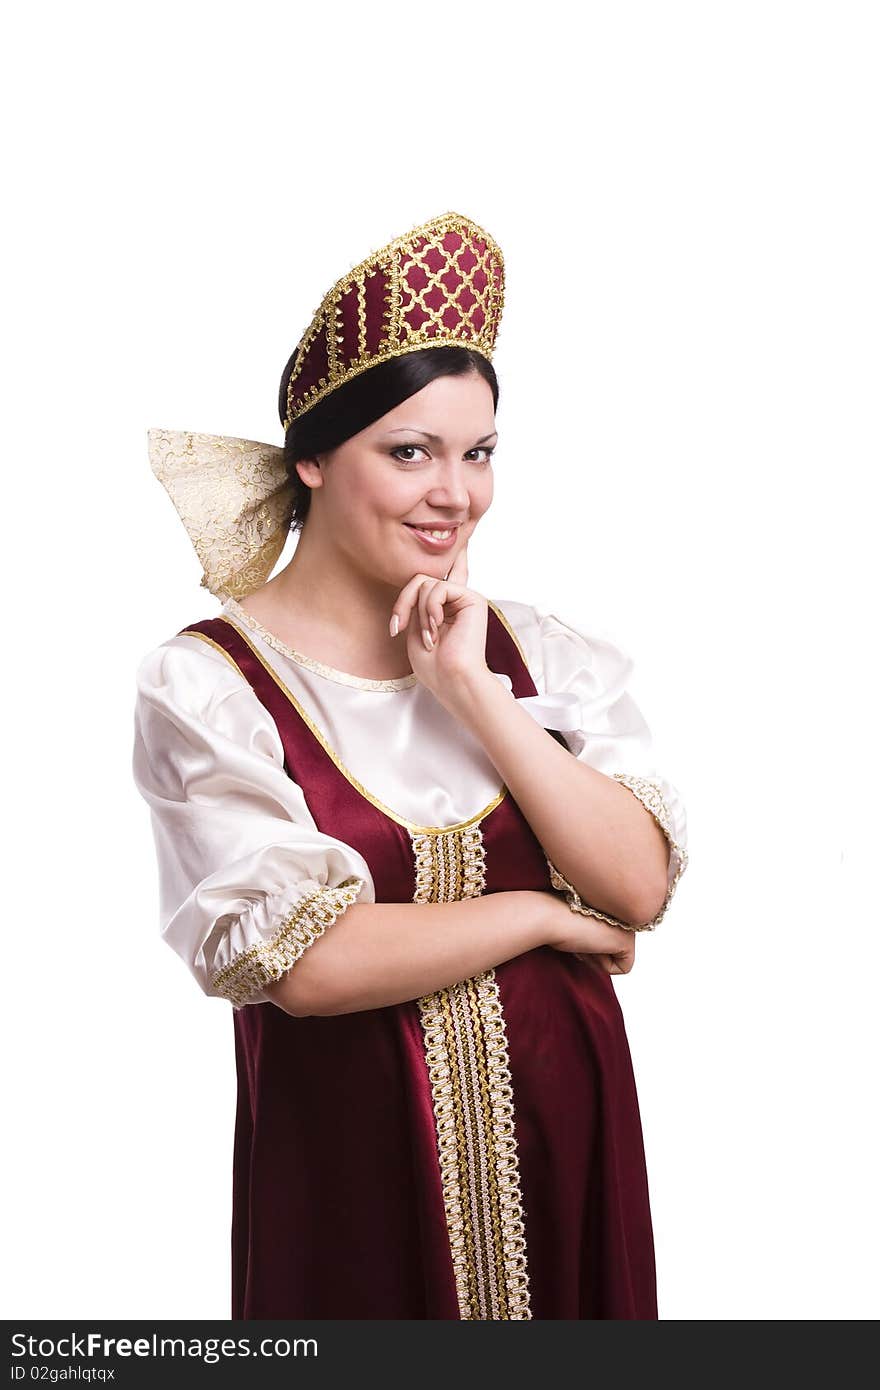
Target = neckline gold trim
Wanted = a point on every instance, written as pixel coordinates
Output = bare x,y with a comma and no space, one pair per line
311,663
332,673
331,752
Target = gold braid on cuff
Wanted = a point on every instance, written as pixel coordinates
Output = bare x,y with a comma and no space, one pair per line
266,961
648,792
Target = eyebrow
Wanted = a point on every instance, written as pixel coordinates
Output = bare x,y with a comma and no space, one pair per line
435,438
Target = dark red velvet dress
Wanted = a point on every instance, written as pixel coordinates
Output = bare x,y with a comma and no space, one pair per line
476,1154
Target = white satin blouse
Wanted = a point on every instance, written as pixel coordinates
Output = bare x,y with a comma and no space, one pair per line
236,845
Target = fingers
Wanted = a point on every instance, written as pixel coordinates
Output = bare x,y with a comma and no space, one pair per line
406,600
419,596
609,964
431,598
625,961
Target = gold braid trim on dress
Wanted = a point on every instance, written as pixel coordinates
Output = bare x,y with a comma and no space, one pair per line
468,1065
648,792
266,961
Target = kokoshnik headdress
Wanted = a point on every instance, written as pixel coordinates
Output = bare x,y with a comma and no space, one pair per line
441,283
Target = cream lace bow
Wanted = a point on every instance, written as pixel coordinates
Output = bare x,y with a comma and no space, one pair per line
235,500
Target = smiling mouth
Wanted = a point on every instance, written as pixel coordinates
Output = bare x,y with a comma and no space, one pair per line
435,533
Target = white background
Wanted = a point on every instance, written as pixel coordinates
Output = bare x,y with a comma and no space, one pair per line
687,198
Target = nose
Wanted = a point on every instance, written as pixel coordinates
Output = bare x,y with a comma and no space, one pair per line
450,490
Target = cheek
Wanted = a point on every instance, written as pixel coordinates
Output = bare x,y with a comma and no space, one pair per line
399,497
360,504
376,516
481,495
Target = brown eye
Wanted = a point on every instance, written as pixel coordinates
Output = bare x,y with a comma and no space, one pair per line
406,449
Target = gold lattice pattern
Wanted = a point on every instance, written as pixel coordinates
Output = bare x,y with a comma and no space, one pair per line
441,283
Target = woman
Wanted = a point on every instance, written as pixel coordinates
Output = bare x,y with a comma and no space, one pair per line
371,843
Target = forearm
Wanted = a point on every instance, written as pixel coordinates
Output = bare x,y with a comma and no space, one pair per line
600,836
376,954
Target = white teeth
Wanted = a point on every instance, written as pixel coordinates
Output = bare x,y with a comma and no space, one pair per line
438,535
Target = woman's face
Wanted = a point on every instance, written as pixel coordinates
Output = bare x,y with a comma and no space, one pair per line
426,464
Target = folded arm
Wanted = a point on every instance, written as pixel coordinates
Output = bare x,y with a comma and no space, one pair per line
596,833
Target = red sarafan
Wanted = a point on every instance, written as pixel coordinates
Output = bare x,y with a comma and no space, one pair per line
475,1154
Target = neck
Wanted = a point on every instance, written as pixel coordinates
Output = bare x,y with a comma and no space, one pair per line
324,605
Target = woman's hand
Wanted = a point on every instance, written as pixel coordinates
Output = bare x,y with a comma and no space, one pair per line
455,620
596,943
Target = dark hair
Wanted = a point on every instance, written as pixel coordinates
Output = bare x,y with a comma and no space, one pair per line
363,400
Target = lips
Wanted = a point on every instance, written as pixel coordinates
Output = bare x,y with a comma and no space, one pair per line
434,542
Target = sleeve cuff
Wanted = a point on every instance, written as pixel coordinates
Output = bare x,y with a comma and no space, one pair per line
243,979
556,710
649,794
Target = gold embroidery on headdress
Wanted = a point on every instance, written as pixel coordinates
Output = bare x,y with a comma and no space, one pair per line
434,296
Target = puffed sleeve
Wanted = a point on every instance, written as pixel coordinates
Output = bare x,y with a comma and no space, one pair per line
246,881
611,734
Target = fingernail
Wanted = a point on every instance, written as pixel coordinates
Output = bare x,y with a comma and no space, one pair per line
394,625
434,628
427,639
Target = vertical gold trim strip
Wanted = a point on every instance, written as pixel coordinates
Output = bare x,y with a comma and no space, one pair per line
362,316
468,1068
333,325
396,299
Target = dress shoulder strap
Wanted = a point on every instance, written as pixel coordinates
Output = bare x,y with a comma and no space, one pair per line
505,655
222,633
